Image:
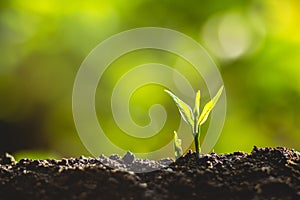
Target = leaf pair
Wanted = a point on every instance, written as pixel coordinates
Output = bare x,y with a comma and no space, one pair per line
193,117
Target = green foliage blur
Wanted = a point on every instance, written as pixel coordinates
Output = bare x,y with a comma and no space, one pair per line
256,45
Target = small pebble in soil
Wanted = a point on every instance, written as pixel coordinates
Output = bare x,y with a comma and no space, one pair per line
128,158
143,185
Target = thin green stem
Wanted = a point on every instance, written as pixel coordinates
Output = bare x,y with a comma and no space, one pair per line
197,139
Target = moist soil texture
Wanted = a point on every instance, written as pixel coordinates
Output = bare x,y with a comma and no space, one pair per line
265,173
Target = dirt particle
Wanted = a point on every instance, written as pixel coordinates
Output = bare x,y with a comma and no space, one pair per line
128,158
143,185
258,188
169,170
266,169
131,172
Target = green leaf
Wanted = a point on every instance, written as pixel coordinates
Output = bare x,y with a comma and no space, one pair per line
177,146
197,105
184,109
208,107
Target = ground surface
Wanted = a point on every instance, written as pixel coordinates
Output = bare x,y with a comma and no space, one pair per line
266,173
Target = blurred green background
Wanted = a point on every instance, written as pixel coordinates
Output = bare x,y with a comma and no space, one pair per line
255,43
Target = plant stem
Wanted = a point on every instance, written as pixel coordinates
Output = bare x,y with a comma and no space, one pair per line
197,140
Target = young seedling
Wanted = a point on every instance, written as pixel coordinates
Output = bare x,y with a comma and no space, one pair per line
177,146
193,117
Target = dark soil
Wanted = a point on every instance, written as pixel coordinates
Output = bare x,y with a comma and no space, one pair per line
266,173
